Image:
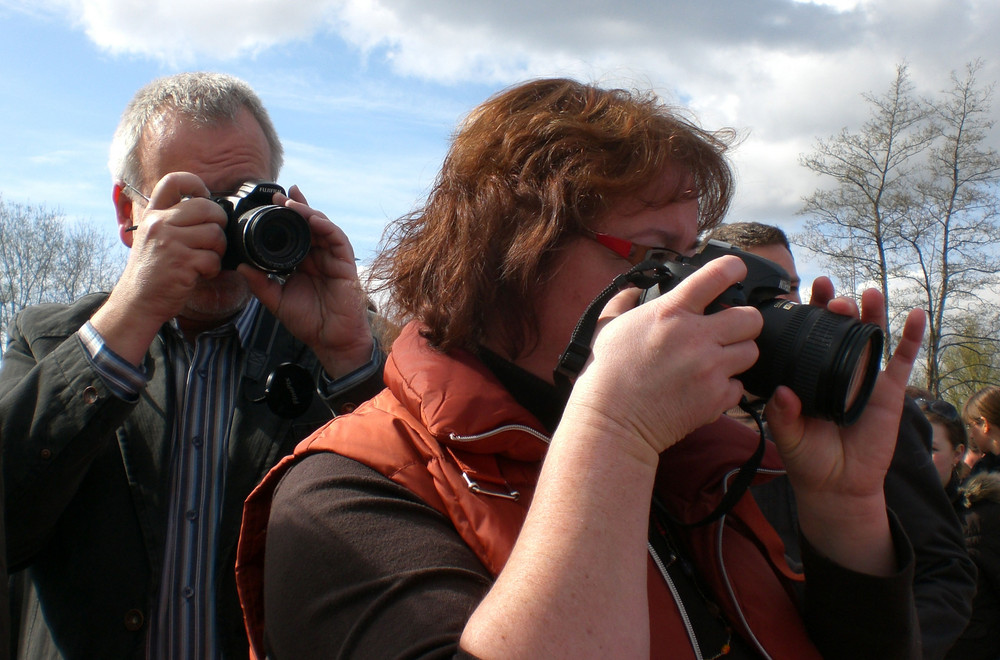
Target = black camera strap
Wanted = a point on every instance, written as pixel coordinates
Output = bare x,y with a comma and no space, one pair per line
644,275
743,478
289,387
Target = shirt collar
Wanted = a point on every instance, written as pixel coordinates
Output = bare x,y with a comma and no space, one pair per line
244,322
241,324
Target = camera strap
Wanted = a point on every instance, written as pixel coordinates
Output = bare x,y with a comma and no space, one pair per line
288,389
743,478
644,275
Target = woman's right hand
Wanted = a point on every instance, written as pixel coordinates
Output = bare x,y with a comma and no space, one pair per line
665,368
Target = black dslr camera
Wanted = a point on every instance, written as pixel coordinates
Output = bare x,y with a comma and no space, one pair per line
271,238
829,360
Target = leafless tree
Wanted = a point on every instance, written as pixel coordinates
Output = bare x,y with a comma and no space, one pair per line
972,360
950,237
46,258
914,208
854,225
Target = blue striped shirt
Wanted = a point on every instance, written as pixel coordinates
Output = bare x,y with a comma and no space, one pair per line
183,625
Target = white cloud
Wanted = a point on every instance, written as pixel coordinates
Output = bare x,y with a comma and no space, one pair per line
786,71
788,66
839,5
178,32
791,58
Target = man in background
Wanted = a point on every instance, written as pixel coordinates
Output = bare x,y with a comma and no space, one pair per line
135,423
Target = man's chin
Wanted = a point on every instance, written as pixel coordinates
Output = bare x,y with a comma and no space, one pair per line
218,299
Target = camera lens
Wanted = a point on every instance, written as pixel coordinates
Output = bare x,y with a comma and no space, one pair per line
274,238
829,360
858,361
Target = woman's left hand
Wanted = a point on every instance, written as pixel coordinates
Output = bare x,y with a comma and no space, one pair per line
838,472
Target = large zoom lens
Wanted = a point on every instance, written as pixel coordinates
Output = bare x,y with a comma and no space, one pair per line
271,238
829,360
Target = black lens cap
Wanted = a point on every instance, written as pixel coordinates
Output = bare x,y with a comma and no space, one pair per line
289,390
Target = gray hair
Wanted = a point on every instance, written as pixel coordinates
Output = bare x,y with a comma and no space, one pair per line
201,97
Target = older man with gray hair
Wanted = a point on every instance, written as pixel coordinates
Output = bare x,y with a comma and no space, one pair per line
136,422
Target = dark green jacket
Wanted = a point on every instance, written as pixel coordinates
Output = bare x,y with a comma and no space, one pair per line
87,477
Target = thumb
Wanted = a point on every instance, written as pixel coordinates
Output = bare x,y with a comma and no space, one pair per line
263,287
622,302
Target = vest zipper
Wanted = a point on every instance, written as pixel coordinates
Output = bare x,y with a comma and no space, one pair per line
470,482
502,429
677,599
474,486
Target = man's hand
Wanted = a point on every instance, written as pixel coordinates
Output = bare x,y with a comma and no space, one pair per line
178,242
322,302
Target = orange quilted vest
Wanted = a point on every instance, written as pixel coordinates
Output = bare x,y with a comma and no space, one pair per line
445,429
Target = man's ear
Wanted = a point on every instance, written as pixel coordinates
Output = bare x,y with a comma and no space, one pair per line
123,210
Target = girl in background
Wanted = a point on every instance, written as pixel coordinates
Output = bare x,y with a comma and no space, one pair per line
981,519
947,443
982,418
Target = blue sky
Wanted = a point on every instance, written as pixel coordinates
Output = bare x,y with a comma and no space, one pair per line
365,93
362,143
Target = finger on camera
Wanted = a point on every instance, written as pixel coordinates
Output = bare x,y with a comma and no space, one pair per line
209,263
193,212
199,236
888,390
741,355
844,306
264,287
296,194
306,211
328,235
620,303
701,288
176,187
784,416
736,324
196,211
822,291
873,308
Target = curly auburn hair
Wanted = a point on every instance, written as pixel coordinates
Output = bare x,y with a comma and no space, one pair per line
531,167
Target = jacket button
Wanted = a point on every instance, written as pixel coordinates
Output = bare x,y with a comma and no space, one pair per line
348,408
134,620
46,454
90,394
